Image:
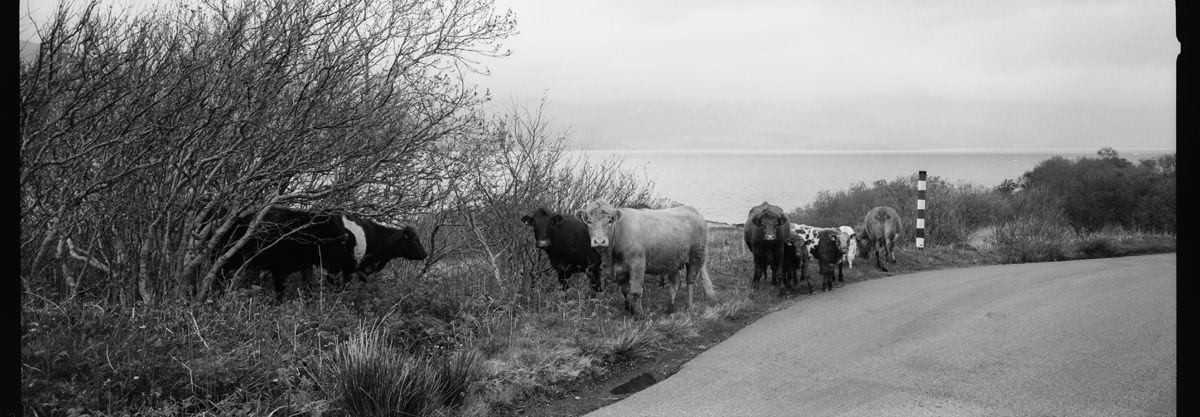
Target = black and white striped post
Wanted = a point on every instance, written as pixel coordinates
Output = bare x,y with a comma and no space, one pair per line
920,209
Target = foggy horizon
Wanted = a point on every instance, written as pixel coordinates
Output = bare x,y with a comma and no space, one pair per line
862,76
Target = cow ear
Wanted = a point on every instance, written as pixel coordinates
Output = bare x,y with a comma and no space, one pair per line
757,221
527,220
616,215
781,220
558,218
580,215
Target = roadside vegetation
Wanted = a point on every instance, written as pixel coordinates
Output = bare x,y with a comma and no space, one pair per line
134,129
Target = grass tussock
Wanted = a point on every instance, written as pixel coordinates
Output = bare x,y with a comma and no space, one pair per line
367,376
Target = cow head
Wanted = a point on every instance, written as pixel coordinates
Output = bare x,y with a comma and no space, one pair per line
600,216
769,218
543,223
405,243
795,245
845,240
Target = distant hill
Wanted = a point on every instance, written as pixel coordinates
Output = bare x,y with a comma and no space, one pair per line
29,51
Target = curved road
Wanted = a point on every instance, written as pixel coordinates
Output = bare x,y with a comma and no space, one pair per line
1078,338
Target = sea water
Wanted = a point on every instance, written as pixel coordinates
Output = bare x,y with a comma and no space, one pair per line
724,185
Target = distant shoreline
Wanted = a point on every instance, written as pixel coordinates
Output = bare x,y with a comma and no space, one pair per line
1073,151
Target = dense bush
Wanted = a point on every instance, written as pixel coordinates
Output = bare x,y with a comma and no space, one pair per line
1086,195
953,210
1109,190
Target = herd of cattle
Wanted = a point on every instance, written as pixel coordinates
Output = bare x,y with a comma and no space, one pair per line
626,242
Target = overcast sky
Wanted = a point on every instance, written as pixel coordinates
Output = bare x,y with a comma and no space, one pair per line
844,75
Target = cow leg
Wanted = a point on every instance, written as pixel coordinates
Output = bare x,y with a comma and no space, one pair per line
804,277
619,273
880,255
280,281
563,279
840,278
760,266
594,275
625,297
689,279
693,270
892,250
776,268
637,275
672,290
306,281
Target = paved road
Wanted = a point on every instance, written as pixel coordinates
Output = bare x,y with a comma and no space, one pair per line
1078,338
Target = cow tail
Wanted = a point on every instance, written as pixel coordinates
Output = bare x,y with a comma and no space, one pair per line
706,282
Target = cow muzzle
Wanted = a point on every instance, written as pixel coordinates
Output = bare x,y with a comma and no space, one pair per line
769,237
599,242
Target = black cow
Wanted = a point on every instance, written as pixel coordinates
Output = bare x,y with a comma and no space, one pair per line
828,255
291,240
765,233
565,241
794,259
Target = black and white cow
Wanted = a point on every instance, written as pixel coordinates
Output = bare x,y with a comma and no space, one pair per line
292,240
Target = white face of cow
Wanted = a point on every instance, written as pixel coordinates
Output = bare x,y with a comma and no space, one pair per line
600,217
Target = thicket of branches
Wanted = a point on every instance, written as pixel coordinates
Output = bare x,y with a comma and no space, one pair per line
136,128
524,164
144,137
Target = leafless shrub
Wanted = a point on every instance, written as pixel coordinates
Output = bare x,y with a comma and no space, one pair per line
143,137
523,164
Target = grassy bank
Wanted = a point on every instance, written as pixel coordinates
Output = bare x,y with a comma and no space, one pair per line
439,345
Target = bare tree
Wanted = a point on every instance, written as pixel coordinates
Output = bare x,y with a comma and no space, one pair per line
147,136
520,162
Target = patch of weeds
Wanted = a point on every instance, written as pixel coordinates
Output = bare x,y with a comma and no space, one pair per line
1098,247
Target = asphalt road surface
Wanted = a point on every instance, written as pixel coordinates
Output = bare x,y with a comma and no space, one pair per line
1078,338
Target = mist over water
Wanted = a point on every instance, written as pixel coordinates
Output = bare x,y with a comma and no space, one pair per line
723,186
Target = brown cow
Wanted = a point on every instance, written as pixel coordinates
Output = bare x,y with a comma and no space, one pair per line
636,242
880,229
766,231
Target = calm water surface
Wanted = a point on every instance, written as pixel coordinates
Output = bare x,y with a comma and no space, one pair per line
724,186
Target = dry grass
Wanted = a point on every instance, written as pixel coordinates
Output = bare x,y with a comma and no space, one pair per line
314,357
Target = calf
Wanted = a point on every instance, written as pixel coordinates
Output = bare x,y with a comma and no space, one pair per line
565,241
794,259
828,255
808,235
